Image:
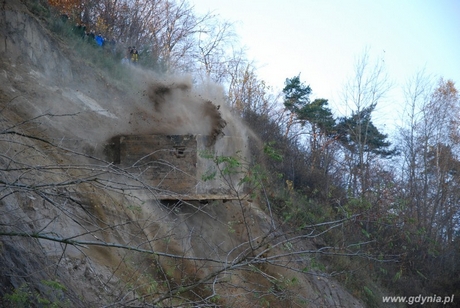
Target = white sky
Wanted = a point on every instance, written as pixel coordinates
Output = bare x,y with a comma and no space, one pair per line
321,39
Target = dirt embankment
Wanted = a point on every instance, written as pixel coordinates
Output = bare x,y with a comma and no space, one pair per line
57,113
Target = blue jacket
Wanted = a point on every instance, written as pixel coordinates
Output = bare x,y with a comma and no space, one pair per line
99,40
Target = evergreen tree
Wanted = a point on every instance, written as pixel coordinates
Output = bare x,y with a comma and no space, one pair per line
297,101
359,134
296,94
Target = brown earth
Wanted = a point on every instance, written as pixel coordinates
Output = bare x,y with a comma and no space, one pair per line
57,113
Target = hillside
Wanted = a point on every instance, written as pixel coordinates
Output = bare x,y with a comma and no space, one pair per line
80,231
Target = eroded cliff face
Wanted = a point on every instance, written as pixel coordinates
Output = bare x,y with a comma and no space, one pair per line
80,230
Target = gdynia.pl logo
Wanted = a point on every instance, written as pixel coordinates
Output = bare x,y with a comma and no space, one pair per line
419,299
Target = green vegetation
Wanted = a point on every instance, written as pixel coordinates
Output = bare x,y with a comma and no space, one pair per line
25,296
380,221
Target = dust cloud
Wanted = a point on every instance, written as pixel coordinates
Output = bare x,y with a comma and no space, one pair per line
177,110
174,105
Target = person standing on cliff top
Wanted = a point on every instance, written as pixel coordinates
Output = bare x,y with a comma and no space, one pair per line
99,40
134,55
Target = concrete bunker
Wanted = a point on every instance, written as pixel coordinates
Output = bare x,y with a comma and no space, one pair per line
176,165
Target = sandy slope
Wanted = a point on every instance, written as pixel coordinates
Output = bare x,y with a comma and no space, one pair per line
57,115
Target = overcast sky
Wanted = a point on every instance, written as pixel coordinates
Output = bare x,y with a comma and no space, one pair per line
321,39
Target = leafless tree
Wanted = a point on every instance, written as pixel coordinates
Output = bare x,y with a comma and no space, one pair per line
77,208
363,91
